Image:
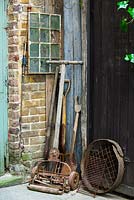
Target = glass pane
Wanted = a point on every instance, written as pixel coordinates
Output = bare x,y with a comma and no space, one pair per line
53,67
34,20
44,21
55,49
34,50
55,22
34,35
34,65
44,50
55,37
44,67
44,35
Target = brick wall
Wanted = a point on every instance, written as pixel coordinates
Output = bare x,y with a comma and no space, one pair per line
33,126
27,118
27,95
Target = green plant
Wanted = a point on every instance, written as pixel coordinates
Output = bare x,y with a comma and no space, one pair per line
126,21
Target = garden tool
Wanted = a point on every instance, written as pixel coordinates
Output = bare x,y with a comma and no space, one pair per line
63,123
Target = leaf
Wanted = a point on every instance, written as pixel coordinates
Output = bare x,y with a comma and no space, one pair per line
131,12
129,57
122,4
124,25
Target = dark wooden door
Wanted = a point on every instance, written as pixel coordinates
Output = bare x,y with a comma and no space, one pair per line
111,81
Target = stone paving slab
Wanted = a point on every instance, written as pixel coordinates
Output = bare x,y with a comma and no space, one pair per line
20,192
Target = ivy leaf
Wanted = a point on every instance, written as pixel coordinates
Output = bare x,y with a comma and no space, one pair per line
124,25
131,12
122,4
129,57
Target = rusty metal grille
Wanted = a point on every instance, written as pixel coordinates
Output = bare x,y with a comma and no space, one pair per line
100,166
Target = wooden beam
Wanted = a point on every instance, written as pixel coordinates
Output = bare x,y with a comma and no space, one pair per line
84,75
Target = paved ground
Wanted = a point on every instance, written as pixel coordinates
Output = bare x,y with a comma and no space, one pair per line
20,192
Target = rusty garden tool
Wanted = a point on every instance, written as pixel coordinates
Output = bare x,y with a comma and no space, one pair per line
63,125
47,146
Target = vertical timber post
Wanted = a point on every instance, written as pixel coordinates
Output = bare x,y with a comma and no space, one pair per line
72,51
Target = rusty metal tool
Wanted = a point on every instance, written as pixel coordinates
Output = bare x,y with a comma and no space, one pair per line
47,142
63,64
45,189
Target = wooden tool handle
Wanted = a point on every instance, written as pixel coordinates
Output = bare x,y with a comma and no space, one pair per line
74,134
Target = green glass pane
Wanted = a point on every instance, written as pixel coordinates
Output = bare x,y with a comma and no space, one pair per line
44,50
53,67
55,22
34,20
55,51
44,21
44,35
34,35
34,50
34,65
44,67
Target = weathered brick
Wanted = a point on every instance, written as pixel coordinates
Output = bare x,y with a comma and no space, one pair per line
31,103
28,134
36,126
43,102
33,111
38,154
37,140
24,24
14,106
42,86
14,90
12,57
13,40
34,148
34,79
29,119
30,87
25,112
13,16
26,141
13,82
15,124
12,49
12,33
14,145
23,33
13,25
12,138
14,131
14,98
15,115
25,127
41,110
26,96
42,132
37,110
42,118
37,95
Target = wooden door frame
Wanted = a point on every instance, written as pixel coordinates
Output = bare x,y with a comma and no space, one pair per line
4,65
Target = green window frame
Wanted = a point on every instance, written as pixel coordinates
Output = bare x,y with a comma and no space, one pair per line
44,42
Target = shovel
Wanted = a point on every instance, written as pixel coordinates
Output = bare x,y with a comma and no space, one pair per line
64,119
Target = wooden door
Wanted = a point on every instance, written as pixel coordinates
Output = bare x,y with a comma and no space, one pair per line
3,87
111,85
